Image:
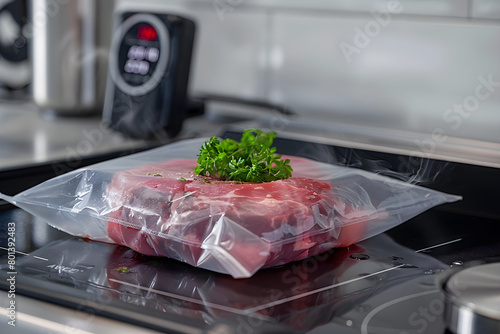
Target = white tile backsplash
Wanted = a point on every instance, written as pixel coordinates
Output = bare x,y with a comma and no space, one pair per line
486,9
406,76
231,54
338,59
452,8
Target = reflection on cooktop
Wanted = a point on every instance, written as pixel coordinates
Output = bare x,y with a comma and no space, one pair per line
389,283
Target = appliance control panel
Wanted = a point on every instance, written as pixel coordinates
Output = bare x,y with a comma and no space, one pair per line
150,57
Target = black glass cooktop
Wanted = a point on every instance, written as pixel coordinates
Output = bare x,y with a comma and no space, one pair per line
390,283
387,284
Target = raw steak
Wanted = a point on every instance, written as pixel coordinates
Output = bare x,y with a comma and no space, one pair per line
226,226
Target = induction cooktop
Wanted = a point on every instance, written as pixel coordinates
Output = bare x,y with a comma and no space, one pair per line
395,282
390,283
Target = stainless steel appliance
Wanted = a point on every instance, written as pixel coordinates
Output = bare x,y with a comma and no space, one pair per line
473,299
69,54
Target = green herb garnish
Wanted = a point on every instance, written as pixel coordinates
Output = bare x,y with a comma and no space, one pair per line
121,269
250,160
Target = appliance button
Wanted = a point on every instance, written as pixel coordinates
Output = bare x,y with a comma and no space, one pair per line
136,52
136,67
129,66
143,67
152,54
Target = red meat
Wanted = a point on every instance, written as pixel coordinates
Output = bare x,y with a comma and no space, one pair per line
225,225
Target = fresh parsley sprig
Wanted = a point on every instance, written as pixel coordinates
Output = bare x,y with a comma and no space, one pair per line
252,159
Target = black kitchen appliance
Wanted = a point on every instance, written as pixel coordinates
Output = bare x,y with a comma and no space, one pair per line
149,65
395,282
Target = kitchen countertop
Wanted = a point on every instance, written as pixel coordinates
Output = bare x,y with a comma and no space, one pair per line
29,136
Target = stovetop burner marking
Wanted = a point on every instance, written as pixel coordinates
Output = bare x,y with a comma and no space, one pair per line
439,245
258,308
26,254
369,316
15,251
305,294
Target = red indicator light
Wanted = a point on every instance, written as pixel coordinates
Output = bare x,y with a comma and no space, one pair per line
147,32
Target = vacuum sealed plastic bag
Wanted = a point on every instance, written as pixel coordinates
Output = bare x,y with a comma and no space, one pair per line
154,203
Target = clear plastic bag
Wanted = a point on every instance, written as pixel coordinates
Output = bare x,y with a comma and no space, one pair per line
153,203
